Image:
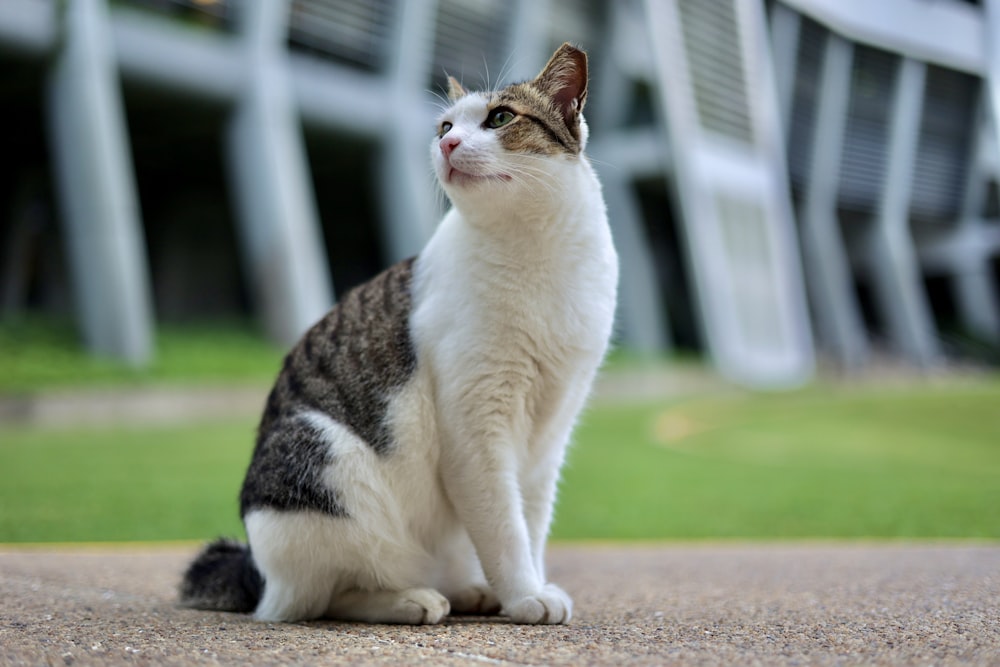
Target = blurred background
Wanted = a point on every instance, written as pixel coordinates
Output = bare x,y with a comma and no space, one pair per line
795,187
787,181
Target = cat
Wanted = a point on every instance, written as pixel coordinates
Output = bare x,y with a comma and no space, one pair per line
407,459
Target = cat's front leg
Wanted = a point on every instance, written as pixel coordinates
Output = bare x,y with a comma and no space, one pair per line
538,489
540,480
551,605
482,482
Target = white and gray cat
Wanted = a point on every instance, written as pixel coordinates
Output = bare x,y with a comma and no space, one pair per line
407,460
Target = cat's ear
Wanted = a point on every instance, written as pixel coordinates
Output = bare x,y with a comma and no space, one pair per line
455,89
564,78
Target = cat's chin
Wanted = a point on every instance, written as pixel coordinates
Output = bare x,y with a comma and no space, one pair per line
455,177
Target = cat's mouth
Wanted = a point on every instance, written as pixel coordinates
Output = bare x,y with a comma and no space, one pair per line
458,177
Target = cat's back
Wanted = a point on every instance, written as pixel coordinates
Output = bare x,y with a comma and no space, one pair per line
350,361
347,367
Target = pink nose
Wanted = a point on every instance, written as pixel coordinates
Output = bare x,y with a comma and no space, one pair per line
448,144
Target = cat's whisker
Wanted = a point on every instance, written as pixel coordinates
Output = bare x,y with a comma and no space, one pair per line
527,174
485,78
604,163
542,159
505,71
442,102
535,156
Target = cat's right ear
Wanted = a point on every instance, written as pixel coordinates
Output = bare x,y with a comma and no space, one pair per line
565,79
455,89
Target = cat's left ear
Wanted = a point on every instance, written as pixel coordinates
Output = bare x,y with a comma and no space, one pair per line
565,79
455,89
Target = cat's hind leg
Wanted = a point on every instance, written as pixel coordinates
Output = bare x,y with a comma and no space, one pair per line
291,600
414,606
460,578
288,550
474,600
311,570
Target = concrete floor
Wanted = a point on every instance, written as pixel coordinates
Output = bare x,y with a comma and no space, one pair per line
659,604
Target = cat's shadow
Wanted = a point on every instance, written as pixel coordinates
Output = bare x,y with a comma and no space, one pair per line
458,620
495,619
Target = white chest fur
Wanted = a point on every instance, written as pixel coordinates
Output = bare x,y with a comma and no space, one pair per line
542,267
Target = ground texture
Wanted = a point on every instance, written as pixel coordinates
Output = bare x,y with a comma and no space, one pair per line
711,604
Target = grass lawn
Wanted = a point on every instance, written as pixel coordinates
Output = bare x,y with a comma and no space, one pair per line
823,462
40,354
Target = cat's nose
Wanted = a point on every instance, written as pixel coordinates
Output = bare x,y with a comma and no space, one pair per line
448,144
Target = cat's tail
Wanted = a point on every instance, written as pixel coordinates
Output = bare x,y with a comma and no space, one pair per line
222,578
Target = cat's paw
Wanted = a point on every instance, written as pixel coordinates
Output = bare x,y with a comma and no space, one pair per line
549,606
475,601
420,606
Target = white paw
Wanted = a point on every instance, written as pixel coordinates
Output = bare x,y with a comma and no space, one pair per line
418,606
550,605
476,601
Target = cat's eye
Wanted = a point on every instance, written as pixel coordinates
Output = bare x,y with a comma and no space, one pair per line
499,118
443,130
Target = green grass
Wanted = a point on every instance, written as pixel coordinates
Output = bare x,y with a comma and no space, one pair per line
921,462
823,462
122,484
39,355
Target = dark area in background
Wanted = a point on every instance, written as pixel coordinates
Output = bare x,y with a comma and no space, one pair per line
191,235
670,262
190,227
344,177
865,294
33,273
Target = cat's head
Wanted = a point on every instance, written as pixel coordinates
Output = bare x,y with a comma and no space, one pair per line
513,138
